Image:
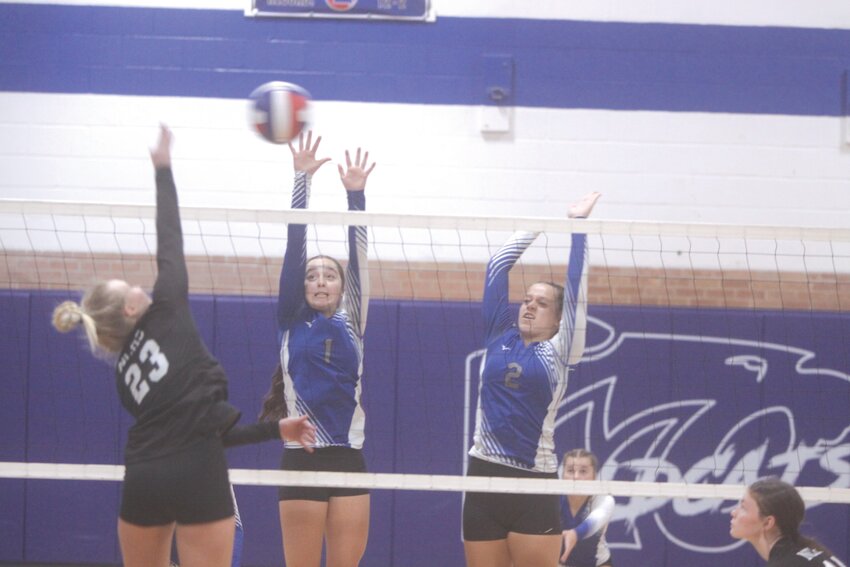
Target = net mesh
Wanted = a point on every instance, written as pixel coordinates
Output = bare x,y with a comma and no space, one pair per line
716,354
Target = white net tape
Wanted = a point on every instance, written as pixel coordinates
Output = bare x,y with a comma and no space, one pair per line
443,483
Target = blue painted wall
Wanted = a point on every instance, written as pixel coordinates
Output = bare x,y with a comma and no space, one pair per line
558,64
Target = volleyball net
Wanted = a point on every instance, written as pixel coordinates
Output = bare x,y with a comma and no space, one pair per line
715,355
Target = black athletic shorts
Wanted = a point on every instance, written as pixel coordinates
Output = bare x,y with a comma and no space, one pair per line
490,516
188,487
335,459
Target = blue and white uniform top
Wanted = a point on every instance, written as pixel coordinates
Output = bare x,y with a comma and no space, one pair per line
321,357
521,387
590,524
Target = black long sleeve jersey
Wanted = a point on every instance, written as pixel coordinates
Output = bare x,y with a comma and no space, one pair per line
166,378
786,553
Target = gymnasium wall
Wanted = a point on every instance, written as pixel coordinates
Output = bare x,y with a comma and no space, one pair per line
662,394
705,111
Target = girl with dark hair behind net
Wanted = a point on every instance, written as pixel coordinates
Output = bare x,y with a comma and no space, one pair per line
769,517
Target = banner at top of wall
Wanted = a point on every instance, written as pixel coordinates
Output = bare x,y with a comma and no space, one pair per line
360,9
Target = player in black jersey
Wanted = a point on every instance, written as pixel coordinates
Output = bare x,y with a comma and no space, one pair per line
769,517
176,471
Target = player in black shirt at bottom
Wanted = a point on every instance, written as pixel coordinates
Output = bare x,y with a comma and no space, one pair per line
769,517
175,469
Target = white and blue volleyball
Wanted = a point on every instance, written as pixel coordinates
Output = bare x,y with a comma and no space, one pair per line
279,111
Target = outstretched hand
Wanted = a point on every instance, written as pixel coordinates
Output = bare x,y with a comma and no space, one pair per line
354,176
304,158
300,430
582,208
161,154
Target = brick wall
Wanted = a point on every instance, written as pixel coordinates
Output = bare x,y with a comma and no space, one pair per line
453,282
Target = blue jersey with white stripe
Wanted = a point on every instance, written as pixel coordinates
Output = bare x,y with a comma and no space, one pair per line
521,386
590,524
322,357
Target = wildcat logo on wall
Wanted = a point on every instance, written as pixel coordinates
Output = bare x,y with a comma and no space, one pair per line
666,396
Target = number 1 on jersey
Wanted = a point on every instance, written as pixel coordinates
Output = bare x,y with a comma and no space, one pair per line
328,345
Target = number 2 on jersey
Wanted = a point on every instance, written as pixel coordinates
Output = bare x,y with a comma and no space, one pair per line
512,376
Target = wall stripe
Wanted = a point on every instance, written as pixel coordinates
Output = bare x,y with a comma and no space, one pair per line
831,14
558,64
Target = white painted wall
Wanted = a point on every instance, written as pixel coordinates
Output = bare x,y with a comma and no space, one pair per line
665,166
689,167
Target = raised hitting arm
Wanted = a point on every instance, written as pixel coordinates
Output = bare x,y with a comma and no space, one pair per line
172,281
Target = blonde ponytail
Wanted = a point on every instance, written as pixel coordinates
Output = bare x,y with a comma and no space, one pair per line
101,313
68,315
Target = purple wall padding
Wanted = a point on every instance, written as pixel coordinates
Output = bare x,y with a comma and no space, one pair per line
706,396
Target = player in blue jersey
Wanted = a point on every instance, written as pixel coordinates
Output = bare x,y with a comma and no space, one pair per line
523,380
769,517
175,470
322,318
584,519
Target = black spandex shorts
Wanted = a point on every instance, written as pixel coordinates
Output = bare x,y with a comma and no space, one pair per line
490,516
189,487
334,459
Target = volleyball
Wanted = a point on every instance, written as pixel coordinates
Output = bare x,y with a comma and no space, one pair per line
279,111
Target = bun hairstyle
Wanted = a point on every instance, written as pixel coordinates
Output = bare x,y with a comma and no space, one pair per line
101,313
68,315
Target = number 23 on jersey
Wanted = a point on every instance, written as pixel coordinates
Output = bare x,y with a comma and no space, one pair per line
139,379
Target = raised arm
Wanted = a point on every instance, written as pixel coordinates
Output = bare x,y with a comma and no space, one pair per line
291,291
172,280
570,340
497,313
356,296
